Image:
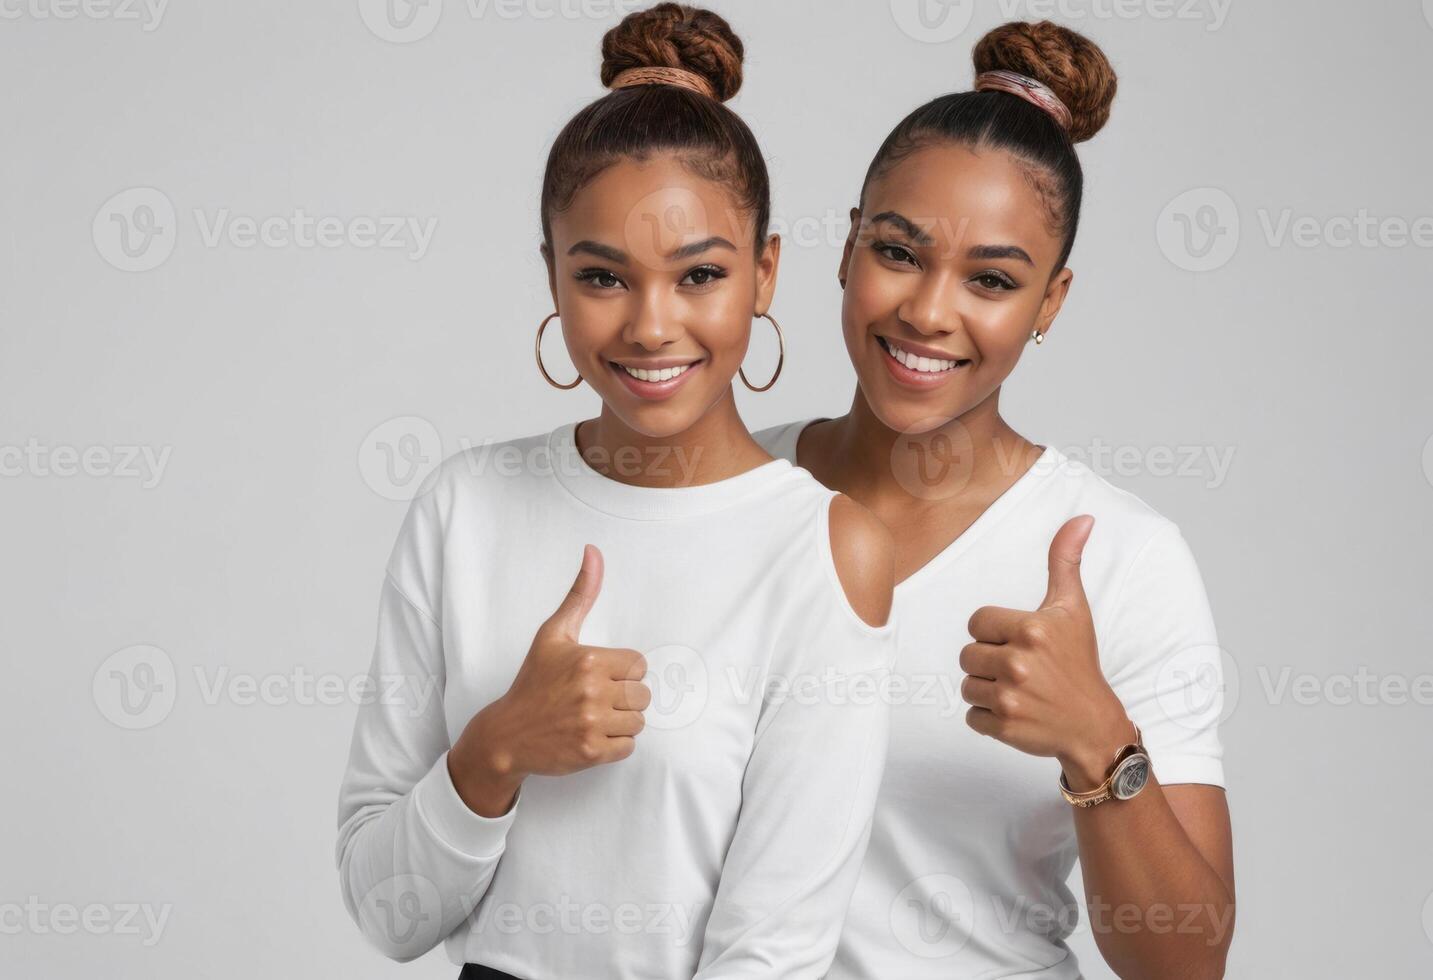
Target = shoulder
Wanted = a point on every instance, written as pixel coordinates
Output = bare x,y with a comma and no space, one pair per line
1124,523
484,466
864,555
780,440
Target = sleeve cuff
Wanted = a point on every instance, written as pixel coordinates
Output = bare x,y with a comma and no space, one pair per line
450,820
1173,770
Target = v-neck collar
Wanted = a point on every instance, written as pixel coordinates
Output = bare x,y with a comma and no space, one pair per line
1044,467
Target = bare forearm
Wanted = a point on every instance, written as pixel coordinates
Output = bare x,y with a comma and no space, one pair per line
1158,908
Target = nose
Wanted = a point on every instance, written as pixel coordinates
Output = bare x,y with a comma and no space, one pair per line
653,323
931,308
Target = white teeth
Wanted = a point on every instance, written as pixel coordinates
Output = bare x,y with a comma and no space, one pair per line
926,365
664,374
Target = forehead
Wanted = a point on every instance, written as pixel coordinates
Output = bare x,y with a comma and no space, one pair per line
650,206
949,190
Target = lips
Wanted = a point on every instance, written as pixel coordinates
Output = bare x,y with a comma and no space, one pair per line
655,380
918,369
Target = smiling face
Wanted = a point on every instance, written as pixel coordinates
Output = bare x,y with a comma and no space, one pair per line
655,274
947,273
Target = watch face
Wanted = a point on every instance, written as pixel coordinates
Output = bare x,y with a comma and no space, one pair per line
1130,777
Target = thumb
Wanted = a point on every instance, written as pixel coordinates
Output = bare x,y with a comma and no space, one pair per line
1066,550
567,620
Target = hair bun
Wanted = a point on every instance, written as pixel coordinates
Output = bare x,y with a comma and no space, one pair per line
674,35
1069,63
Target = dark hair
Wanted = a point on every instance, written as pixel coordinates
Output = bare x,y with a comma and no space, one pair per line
640,120
1069,64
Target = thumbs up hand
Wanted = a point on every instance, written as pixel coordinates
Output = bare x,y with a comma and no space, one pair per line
1034,679
570,707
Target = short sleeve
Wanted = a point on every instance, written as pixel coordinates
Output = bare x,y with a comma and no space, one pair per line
1162,657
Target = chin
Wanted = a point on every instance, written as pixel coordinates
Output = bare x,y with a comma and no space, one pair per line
655,420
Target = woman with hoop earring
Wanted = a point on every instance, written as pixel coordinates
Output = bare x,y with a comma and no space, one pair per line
674,729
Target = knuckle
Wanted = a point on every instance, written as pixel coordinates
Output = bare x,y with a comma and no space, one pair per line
1018,669
1033,632
1006,703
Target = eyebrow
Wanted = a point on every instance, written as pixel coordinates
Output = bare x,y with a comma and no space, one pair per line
904,224
620,257
910,228
1000,252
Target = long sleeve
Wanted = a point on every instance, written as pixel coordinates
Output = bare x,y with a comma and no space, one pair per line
413,860
808,795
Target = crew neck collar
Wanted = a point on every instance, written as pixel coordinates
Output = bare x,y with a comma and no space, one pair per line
652,503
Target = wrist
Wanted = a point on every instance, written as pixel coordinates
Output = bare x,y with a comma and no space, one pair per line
1087,763
482,768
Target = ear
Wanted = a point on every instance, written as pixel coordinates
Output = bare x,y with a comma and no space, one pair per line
766,267
551,272
845,268
1055,294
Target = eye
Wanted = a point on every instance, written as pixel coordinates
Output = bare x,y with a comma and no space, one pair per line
704,275
599,278
896,253
995,280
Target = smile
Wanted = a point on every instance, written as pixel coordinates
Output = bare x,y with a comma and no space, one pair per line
916,367
663,374
657,381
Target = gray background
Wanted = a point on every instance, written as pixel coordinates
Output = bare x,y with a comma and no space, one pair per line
295,392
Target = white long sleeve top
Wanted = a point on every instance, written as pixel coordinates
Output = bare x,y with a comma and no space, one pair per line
729,843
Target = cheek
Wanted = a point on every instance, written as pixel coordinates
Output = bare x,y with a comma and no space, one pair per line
720,323
999,330
588,322
872,293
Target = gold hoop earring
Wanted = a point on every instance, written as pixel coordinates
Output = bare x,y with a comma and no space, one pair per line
538,348
1038,337
780,360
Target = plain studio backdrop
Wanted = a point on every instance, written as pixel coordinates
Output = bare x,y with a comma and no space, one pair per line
264,263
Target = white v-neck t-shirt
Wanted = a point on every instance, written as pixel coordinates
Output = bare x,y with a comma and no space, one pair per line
728,844
966,871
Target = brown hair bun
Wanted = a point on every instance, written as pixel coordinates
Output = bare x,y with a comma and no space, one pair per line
1069,63
674,35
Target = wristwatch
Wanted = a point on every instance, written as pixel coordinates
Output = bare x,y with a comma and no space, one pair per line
1127,776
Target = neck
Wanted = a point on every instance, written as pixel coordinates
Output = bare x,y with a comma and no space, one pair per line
966,456
716,446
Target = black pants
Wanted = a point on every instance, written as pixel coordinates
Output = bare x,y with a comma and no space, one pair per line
476,971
